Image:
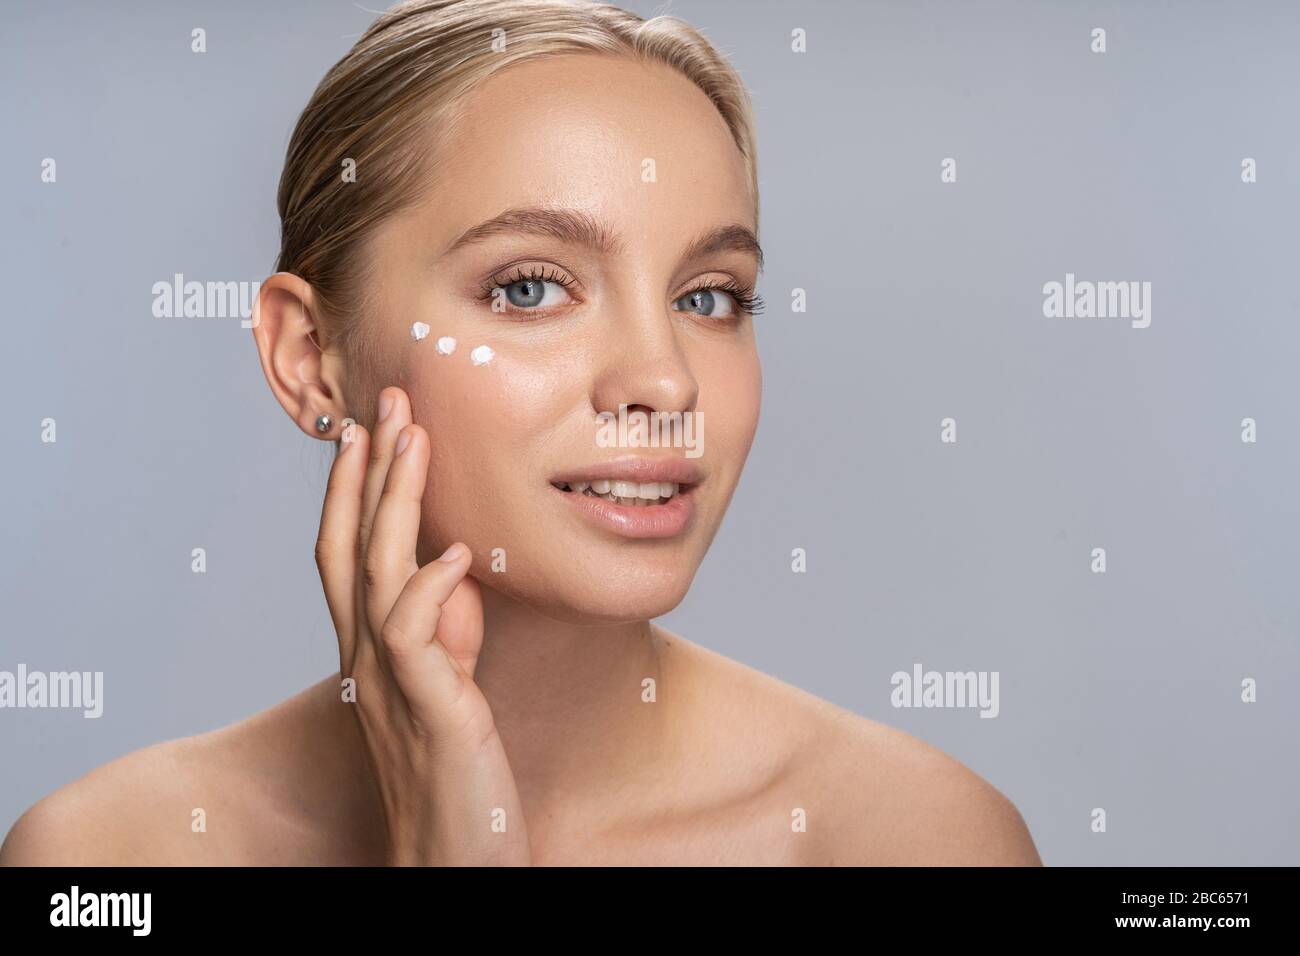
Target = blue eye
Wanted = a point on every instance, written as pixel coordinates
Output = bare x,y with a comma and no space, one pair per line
532,293
730,296
703,302
527,291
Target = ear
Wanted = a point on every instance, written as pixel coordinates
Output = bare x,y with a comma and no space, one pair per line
307,381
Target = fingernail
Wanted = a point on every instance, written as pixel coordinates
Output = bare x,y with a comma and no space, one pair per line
403,440
452,553
385,405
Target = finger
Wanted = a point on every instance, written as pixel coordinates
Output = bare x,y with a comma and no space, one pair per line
460,625
336,543
394,412
382,448
390,554
424,670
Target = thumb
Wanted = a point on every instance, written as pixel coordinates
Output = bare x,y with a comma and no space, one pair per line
460,626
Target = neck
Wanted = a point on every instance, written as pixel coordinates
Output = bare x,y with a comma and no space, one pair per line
569,700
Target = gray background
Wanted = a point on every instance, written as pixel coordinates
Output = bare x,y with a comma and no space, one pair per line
1118,691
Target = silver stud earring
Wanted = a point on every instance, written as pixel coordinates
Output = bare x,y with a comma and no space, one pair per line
323,424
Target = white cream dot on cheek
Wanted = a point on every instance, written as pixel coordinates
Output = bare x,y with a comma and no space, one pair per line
482,355
446,345
419,330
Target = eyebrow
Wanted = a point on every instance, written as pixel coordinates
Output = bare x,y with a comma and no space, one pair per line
580,229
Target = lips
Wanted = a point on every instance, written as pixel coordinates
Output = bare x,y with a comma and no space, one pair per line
680,471
634,497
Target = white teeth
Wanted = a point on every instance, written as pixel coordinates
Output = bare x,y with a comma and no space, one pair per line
634,494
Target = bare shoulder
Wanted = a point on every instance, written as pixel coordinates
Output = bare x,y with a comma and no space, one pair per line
895,800
126,812
871,794
210,799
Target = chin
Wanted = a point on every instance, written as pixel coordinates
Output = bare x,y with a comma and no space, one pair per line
627,591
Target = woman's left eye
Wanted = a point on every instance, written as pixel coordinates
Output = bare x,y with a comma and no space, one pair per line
706,302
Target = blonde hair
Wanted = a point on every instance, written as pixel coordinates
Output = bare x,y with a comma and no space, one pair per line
406,77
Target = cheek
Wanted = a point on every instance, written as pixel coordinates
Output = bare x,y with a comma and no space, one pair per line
496,387
731,408
486,423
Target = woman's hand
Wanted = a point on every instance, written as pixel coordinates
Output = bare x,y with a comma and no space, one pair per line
410,636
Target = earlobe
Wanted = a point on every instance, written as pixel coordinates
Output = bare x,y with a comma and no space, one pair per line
303,378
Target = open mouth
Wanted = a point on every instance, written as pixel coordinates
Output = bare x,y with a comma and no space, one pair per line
634,494
634,497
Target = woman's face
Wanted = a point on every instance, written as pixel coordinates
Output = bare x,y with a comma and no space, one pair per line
578,322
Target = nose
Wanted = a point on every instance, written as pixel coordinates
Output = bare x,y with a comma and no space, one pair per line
643,364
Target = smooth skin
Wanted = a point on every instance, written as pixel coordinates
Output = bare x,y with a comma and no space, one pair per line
499,719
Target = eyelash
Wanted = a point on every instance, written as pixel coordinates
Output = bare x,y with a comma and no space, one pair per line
532,275
747,300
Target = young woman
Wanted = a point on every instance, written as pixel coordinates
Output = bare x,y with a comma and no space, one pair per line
500,220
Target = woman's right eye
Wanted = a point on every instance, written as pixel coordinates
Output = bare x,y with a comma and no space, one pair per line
534,293
528,292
